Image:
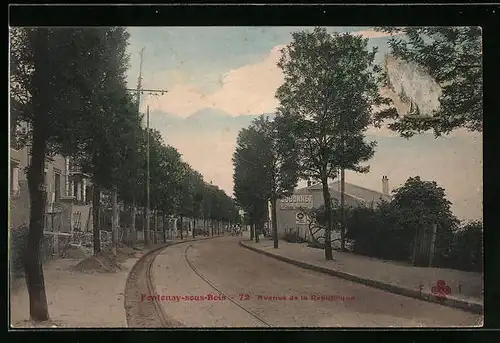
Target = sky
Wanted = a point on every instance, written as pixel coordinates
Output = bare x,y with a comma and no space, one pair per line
220,78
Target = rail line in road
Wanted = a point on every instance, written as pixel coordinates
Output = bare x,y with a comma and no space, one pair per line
197,272
140,281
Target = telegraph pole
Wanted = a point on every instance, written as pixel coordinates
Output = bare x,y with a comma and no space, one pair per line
148,219
139,91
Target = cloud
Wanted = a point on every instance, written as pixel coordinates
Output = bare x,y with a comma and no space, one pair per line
182,100
246,90
250,89
209,153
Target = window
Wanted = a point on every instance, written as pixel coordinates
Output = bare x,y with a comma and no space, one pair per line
14,177
57,186
75,189
88,196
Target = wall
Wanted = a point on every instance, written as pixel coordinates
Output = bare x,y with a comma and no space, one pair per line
19,211
286,218
85,216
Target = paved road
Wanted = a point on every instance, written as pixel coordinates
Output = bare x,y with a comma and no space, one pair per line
236,270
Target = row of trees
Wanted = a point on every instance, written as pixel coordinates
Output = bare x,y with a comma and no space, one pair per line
69,87
265,169
331,95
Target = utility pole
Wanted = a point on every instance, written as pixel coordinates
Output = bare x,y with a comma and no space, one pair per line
148,219
210,223
139,91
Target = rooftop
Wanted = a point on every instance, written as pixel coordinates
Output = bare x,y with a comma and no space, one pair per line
351,190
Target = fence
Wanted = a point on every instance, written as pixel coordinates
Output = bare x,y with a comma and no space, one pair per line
86,239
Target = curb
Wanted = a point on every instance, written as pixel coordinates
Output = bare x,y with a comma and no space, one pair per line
470,306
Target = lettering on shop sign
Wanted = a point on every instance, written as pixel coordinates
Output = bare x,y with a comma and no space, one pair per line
296,201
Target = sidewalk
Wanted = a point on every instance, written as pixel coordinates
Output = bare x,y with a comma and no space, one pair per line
466,287
76,299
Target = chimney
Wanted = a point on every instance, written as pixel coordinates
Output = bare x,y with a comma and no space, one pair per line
385,185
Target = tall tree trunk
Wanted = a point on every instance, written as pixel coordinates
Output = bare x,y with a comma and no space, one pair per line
194,226
328,214
251,230
256,232
274,222
155,222
211,227
133,228
96,207
342,209
164,228
33,265
414,248
114,219
147,236
182,226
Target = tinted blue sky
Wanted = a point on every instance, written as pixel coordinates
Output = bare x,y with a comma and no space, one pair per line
205,53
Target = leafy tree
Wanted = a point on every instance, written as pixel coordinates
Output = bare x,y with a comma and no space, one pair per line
331,87
99,144
217,207
185,194
266,153
252,174
466,251
452,56
59,77
229,211
211,208
171,167
131,178
206,205
420,204
198,193
376,232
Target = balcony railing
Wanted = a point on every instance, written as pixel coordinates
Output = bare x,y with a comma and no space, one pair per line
76,170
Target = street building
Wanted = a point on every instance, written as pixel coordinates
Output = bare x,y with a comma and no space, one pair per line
291,212
68,193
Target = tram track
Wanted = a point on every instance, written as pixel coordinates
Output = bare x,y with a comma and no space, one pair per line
211,284
140,281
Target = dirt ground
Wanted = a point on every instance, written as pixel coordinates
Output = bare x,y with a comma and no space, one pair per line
79,294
